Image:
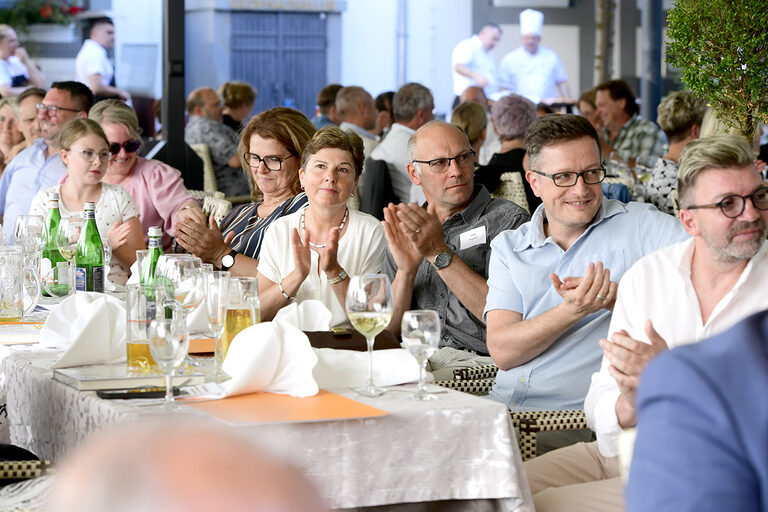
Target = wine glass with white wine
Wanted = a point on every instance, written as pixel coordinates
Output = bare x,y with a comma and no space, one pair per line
420,330
369,305
67,237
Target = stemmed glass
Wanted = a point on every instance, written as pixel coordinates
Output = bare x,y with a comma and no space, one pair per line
420,330
107,251
67,237
30,234
168,341
369,308
217,300
183,279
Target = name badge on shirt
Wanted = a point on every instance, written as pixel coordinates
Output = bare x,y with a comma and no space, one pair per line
472,238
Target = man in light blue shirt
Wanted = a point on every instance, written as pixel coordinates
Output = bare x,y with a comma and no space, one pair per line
40,166
552,282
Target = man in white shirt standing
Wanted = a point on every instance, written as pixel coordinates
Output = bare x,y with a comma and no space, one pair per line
674,296
92,65
532,70
472,62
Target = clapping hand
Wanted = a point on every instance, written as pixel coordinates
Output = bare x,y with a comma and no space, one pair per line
588,294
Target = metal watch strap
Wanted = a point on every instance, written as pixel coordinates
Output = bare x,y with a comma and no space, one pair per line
339,278
446,255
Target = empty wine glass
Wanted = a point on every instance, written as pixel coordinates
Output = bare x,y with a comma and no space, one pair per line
107,251
217,300
168,342
181,274
420,330
67,237
30,234
369,308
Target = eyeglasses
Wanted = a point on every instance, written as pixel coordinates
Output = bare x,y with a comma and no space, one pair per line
272,162
441,165
89,155
569,179
130,146
732,206
52,110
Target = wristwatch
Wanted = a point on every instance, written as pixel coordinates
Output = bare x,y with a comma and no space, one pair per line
339,278
228,260
443,259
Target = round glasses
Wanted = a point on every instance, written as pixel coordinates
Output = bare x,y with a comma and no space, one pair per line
89,155
569,179
130,146
732,206
272,162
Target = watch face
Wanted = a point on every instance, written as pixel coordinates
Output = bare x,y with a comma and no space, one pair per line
227,261
442,260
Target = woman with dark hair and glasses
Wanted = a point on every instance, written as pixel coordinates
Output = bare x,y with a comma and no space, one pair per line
157,188
271,150
85,153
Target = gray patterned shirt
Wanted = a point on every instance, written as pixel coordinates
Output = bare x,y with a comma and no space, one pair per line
222,143
641,140
485,217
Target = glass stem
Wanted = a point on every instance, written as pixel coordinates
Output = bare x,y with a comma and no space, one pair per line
422,375
369,341
169,386
217,358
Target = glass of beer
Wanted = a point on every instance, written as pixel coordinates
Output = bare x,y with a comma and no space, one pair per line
141,306
243,309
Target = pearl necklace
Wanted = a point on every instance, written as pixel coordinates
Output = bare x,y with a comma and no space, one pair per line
304,229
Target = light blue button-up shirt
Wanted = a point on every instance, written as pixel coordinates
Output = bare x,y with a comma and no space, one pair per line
518,280
27,174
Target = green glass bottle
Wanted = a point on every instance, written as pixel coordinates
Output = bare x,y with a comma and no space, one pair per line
51,258
155,250
89,256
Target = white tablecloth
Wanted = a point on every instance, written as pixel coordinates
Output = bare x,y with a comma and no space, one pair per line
459,447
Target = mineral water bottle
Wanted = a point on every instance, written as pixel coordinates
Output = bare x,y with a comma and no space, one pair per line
49,265
155,234
89,256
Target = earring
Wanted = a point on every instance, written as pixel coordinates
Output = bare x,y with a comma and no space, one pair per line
302,187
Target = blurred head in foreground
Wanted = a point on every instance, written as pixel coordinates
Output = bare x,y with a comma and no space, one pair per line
174,466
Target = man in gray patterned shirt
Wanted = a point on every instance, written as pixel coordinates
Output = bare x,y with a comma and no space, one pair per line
205,127
438,255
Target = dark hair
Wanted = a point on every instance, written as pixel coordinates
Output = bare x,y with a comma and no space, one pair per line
588,97
32,91
490,24
556,128
80,95
289,127
384,101
620,90
335,137
235,94
327,97
101,20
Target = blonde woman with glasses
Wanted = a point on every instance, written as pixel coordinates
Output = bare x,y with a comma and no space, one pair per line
85,153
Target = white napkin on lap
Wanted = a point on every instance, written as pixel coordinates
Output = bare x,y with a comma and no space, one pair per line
349,368
90,327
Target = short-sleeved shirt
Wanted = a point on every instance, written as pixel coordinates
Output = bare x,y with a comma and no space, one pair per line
394,151
114,205
222,143
532,76
639,139
27,174
249,228
469,233
663,181
471,54
518,280
13,72
92,59
361,251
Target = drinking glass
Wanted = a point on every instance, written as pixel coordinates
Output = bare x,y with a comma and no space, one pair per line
107,251
420,330
181,274
369,308
30,234
217,300
141,255
67,237
168,342
243,309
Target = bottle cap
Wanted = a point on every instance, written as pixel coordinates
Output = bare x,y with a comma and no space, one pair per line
53,196
155,231
89,206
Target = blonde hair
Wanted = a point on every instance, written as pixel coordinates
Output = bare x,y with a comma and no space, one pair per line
117,112
679,112
471,118
77,128
11,102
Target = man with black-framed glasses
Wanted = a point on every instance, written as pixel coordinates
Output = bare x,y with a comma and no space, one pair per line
39,166
675,296
438,253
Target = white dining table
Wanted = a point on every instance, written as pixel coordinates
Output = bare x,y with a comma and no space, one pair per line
460,450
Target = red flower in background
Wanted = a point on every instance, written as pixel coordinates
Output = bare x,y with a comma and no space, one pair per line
46,11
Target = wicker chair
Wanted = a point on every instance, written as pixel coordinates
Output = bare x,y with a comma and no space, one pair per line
512,189
209,175
23,470
479,380
216,206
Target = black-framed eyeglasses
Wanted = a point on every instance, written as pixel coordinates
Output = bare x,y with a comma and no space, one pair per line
52,110
272,162
569,179
732,206
90,155
130,146
441,165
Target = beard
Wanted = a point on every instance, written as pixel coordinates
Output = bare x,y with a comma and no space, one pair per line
729,251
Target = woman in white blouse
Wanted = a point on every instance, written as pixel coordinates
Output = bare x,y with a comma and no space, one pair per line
85,152
310,254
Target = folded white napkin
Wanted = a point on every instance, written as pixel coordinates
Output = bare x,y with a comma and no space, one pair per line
276,356
134,273
197,321
90,327
349,368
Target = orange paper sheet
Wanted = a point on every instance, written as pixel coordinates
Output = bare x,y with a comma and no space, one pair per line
273,408
201,346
